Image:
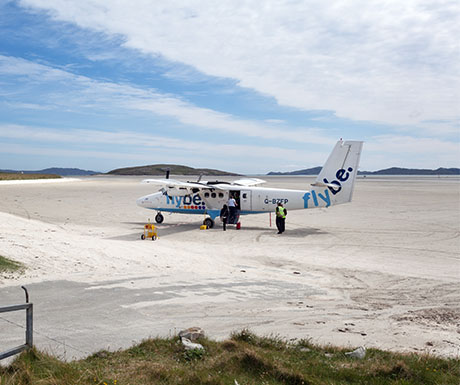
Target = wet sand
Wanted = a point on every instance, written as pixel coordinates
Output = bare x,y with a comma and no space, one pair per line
382,271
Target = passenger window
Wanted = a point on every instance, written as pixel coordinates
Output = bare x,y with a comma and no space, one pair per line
213,195
206,195
245,196
221,195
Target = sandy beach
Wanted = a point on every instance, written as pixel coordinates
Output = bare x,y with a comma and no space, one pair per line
382,271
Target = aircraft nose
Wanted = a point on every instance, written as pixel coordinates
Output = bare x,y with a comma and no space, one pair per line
140,201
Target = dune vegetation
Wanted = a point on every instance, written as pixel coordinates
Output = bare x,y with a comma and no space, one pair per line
243,359
21,176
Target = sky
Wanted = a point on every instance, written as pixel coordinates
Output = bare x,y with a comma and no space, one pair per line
242,85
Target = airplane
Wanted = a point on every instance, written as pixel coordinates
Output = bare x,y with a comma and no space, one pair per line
334,185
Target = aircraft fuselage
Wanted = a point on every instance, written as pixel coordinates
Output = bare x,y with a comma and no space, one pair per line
251,200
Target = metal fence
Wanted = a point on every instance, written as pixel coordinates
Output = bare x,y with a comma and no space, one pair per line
28,307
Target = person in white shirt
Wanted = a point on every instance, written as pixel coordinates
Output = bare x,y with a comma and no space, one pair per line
232,208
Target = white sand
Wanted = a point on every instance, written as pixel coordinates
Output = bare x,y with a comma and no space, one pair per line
383,271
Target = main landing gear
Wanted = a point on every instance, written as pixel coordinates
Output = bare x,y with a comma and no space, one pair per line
209,222
159,218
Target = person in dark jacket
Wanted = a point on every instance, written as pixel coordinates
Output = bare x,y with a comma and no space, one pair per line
281,213
224,213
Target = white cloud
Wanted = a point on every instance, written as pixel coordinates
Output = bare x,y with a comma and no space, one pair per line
134,148
393,62
172,148
409,145
130,148
406,151
74,92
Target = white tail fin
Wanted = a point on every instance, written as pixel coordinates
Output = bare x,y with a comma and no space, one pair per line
339,172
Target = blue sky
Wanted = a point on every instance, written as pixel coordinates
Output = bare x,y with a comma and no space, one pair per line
243,86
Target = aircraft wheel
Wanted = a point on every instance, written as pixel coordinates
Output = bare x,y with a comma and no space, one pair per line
142,236
159,218
208,222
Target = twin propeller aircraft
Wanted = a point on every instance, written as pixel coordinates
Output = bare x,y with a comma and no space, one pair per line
333,186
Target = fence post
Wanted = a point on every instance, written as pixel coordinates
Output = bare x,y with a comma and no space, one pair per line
29,321
28,307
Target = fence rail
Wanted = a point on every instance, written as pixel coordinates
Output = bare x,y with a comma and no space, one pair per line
28,307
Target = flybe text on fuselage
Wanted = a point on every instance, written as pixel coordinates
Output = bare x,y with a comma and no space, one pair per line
187,200
316,198
293,199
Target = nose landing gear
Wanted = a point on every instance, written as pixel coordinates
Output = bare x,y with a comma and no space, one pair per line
209,223
159,218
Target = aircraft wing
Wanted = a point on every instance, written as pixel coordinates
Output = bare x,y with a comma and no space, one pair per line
248,182
173,187
175,183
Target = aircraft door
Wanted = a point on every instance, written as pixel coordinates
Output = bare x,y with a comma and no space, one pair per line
246,200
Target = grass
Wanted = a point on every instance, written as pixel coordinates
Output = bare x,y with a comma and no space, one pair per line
8,265
19,176
245,357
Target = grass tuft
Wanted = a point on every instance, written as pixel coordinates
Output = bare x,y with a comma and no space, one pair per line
9,266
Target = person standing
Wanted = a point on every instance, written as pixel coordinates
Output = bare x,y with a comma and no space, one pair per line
224,216
232,207
281,213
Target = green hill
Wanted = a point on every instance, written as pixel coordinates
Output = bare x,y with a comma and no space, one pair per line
175,169
55,171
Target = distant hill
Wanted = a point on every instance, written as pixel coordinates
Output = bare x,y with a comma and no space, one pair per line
160,169
413,171
55,171
307,171
387,171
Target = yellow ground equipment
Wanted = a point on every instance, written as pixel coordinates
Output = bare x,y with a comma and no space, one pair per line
150,232
203,227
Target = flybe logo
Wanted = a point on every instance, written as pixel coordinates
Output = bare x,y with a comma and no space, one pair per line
185,201
317,198
342,176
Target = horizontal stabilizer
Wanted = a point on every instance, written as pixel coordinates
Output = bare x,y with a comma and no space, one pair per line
321,184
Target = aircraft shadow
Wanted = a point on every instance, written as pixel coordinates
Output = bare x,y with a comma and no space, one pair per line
166,230
298,233
127,237
163,230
